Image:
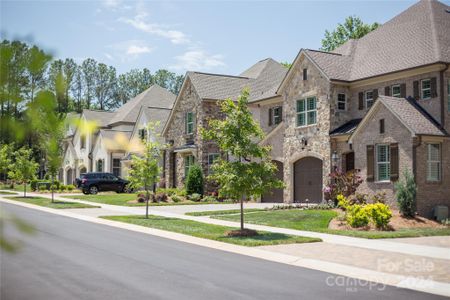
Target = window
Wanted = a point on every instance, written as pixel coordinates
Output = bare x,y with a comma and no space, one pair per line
116,167
383,163
382,126
396,91
143,134
342,102
100,165
189,123
426,88
369,99
83,141
306,111
277,117
188,162
434,162
212,157
305,74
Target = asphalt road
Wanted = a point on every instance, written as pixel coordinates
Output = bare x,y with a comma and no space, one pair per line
72,259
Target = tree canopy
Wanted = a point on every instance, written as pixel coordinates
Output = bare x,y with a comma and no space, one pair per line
352,28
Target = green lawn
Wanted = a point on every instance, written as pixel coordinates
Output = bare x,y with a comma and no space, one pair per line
7,193
48,202
222,212
212,232
17,187
318,220
122,199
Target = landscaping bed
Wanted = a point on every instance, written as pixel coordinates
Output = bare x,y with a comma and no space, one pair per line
48,202
210,231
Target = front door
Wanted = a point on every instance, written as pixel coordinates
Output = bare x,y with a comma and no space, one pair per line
275,195
349,161
308,180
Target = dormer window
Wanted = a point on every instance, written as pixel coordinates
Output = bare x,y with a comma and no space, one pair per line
396,91
305,74
426,89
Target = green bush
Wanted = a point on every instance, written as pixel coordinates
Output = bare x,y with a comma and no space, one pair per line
62,187
195,197
42,187
357,216
175,198
70,187
33,184
54,187
380,214
194,180
406,190
209,199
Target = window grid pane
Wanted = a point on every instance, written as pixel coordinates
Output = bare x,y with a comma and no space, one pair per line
341,102
383,163
426,89
396,91
434,162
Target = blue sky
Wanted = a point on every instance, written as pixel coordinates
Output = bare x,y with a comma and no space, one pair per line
211,36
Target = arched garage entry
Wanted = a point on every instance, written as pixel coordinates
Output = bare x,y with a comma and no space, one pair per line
275,195
308,180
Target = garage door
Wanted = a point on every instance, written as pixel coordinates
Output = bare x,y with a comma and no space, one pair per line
308,180
275,195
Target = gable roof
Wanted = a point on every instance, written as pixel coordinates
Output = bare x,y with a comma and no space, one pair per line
418,36
154,96
114,139
409,113
346,128
262,79
101,117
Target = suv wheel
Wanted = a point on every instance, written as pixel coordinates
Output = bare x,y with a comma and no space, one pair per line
93,190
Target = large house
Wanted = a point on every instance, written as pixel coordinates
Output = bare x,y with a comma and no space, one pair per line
379,104
108,147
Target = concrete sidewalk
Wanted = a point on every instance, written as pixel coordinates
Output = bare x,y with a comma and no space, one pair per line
389,245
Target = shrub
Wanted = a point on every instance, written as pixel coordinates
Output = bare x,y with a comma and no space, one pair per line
33,184
62,187
70,187
406,190
141,198
194,180
175,198
357,216
195,197
54,187
379,213
342,183
42,187
379,197
209,199
161,197
358,199
343,202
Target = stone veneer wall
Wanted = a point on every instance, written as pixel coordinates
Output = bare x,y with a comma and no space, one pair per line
317,136
395,132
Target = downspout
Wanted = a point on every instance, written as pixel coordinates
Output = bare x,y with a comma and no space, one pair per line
416,144
441,79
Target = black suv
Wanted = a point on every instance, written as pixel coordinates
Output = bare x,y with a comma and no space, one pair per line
92,183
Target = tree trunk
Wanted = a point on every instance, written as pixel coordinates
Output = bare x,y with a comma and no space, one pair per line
53,187
24,189
242,213
147,197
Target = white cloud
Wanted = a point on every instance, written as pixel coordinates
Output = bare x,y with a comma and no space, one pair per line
198,60
139,22
136,50
115,4
128,50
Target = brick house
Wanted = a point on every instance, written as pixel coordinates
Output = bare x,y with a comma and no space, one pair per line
197,102
348,109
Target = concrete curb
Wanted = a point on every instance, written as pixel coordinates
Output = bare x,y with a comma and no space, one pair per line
363,276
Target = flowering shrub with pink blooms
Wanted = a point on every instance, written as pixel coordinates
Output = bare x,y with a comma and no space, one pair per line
342,183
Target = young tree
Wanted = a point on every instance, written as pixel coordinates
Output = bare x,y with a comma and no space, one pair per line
145,170
250,172
50,126
194,180
24,168
5,158
353,28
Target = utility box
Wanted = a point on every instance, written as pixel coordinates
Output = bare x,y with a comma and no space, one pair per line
440,212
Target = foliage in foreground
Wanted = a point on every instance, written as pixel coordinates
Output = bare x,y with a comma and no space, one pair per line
406,190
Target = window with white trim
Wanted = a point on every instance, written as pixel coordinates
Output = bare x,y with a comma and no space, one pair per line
396,92
369,99
116,167
306,111
212,157
100,165
83,141
434,162
383,163
188,162
342,102
425,86
189,123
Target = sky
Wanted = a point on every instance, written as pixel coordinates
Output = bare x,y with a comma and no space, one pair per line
223,37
